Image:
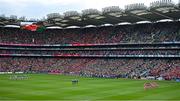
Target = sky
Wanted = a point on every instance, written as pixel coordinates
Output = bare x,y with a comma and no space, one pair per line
38,9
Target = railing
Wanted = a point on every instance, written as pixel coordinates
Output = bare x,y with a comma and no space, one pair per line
87,45
88,49
90,56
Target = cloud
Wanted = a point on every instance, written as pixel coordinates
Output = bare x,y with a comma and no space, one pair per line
41,2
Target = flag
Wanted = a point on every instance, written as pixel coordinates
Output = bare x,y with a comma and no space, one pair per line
34,27
40,29
41,26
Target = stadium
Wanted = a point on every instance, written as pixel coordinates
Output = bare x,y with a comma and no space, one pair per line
109,54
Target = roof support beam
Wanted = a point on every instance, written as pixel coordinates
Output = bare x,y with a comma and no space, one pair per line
99,21
162,15
115,18
141,18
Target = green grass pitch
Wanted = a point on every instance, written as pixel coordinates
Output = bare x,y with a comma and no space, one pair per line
59,87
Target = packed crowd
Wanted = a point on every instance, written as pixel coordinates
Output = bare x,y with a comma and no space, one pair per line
156,32
166,68
104,67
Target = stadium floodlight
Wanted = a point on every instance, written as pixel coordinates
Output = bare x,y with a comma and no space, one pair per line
72,15
113,11
54,16
33,20
91,13
23,18
2,16
137,9
13,17
161,4
43,19
136,6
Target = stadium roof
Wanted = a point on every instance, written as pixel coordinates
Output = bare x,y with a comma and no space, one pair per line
158,10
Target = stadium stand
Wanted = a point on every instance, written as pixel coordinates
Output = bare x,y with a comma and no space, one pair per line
149,33
127,51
